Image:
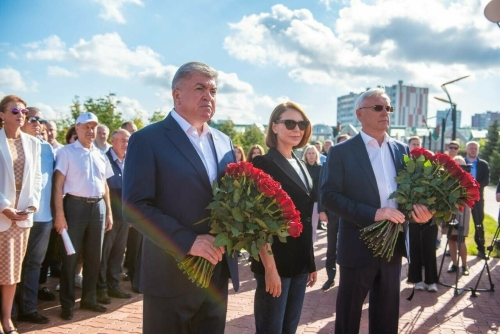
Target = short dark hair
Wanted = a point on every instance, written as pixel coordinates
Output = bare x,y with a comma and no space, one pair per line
271,137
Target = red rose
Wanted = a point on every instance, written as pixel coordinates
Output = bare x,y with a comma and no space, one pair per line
441,158
268,187
281,196
294,229
427,154
473,194
287,206
292,215
245,168
416,153
232,169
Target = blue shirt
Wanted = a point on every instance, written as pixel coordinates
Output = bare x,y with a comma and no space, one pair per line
474,166
44,213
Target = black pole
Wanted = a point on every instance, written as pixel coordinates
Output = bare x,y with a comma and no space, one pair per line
430,140
454,119
443,129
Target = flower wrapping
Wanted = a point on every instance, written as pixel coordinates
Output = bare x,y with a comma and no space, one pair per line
248,210
434,180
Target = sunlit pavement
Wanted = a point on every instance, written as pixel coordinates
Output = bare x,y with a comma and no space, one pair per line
428,312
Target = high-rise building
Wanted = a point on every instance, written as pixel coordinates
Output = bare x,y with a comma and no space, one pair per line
483,121
409,102
449,122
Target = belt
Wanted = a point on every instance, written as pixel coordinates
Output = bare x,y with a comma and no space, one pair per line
90,200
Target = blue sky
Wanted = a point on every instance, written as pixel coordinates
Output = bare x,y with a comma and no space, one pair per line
266,52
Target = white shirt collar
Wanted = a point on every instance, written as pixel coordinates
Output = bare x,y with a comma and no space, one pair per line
367,138
186,127
79,145
114,156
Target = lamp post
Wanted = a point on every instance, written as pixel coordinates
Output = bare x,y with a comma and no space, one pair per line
453,107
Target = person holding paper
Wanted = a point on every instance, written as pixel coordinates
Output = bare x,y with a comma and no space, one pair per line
80,174
20,188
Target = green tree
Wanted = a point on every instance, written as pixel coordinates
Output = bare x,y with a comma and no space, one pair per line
253,135
491,142
157,116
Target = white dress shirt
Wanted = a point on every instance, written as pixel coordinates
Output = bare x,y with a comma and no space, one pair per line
119,162
383,168
86,170
201,143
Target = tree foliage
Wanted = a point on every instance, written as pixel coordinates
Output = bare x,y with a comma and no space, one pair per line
157,116
252,135
489,151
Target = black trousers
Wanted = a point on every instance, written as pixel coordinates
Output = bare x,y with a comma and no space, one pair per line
423,253
383,282
478,217
331,237
113,250
134,245
203,311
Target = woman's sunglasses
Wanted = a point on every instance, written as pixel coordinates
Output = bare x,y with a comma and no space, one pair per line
379,108
16,111
290,124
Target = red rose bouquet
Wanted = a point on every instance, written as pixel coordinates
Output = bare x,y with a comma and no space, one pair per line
434,180
248,209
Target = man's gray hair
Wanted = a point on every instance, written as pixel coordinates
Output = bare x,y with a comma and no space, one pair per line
369,93
186,70
103,126
473,142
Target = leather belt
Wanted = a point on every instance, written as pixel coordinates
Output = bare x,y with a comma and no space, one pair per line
90,200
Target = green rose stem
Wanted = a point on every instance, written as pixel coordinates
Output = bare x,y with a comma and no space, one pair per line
198,270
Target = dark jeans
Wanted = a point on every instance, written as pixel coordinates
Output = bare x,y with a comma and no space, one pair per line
37,247
113,251
331,250
478,217
423,253
51,260
282,314
85,226
134,247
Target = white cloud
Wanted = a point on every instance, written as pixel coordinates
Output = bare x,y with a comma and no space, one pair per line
159,76
48,112
112,9
131,108
50,48
12,55
56,71
12,80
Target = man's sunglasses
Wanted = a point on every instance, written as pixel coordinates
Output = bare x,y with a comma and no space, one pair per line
16,111
453,147
33,119
290,124
379,108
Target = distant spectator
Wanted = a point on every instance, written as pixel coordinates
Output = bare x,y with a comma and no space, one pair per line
414,142
20,188
101,139
453,148
326,146
129,126
43,131
71,135
254,151
319,147
52,135
239,153
311,158
28,289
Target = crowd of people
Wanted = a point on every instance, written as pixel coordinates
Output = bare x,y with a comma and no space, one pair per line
83,192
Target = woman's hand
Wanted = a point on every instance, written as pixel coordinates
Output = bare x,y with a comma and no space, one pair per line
13,214
273,283
312,279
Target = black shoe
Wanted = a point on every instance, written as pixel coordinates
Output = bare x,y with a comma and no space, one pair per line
118,293
34,318
136,290
481,255
67,314
126,277
46,295
447,253
102,297
465,270
452,269
328,284
93,307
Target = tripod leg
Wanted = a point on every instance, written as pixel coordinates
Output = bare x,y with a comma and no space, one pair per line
486,265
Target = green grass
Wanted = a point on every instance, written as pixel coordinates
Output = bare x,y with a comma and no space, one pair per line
490,227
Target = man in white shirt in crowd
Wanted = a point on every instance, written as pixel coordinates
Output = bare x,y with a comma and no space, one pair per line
101,139
85,212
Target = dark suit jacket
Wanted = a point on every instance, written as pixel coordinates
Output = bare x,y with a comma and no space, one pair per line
166,190
349,189
115,187
482,174
296,256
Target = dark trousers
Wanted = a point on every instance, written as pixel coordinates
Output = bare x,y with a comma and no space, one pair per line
202,311
30,274
86,231
478,217
279,314
383,283
423,253
49,260
113,250
331,250
134,245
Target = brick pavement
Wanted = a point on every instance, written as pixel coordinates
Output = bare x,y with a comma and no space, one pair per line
440,312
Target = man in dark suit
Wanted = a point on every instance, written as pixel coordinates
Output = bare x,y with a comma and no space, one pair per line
357,181
172,165
481,172
115,240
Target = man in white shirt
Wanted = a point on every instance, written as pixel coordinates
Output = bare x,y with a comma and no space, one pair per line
101,139
80,175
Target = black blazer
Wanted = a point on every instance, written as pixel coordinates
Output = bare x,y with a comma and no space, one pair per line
482,174
296,256
349,189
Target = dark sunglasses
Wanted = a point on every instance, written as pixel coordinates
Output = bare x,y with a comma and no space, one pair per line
379,108
16,111
33,119
453,147
290,124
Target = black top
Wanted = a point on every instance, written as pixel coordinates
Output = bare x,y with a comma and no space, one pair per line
296,255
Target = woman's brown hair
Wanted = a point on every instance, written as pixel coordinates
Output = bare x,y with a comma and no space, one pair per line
271,137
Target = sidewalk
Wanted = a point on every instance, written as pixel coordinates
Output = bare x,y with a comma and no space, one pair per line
440,312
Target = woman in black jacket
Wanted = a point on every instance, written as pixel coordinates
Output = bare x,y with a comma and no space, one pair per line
282,276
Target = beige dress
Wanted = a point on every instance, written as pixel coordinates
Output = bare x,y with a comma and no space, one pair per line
14,241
